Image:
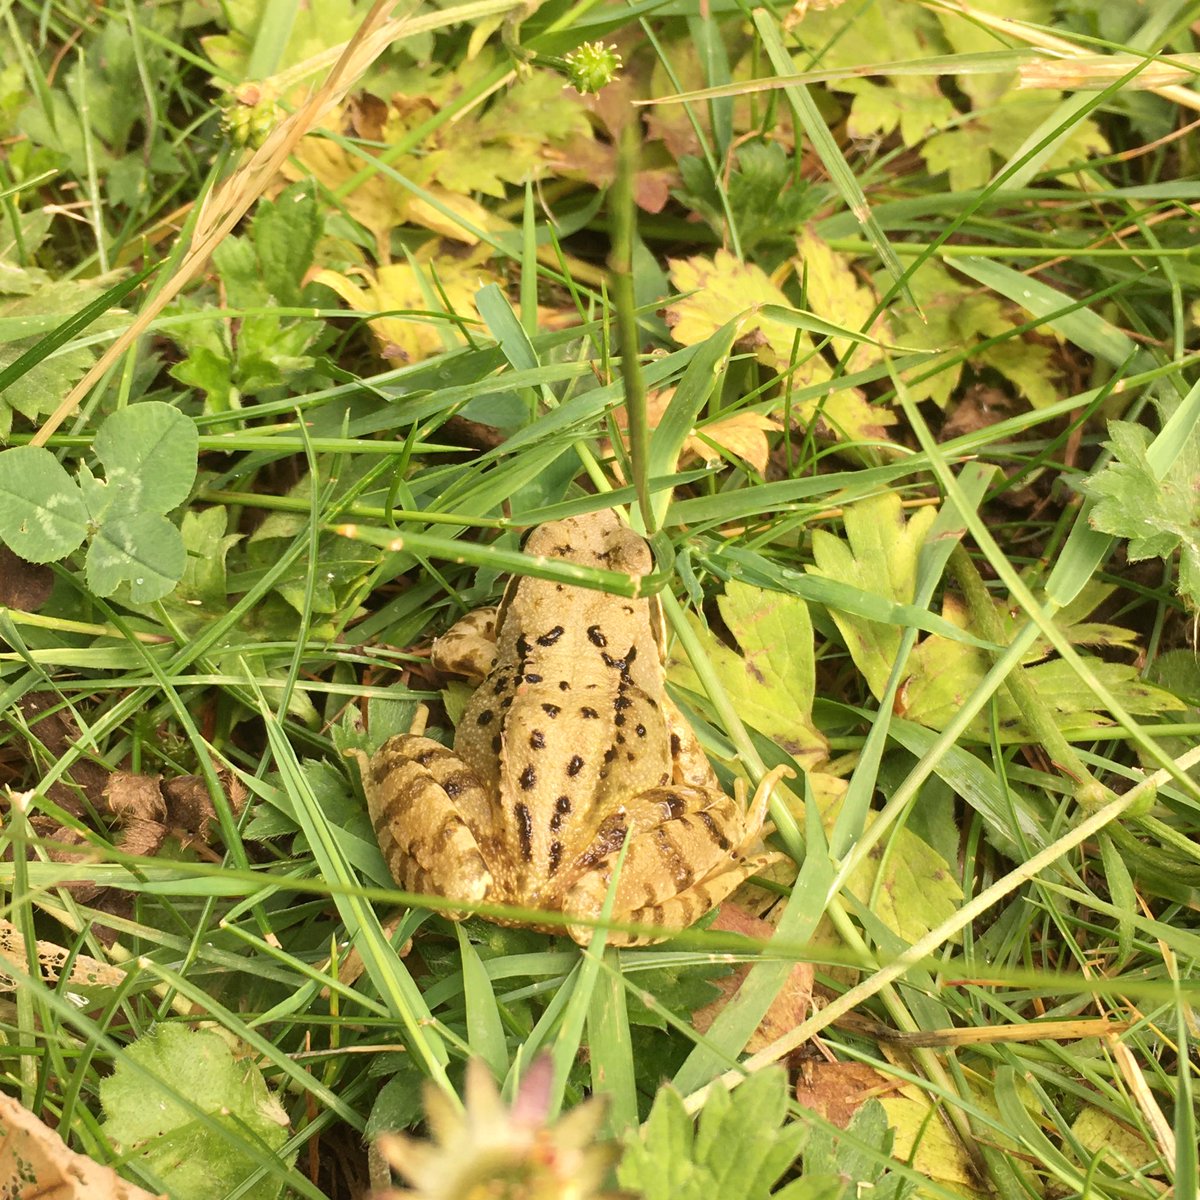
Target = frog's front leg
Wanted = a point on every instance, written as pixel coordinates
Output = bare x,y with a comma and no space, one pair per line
468,647
689,848
432,817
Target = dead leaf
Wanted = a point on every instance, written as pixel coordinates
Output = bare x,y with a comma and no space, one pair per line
51,957
790,1006
36,1164
24,586
837,1090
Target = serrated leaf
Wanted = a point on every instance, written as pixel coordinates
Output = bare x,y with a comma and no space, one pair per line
149,452
742,1145
1158,516
771,678
143,548
285,232
150,1123
42,513
879,557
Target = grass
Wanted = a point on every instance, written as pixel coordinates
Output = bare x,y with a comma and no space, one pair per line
849,348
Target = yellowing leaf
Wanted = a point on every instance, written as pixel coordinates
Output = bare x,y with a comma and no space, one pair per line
743,434
412,289
771,678
928,1144
908,885
833,291
723,287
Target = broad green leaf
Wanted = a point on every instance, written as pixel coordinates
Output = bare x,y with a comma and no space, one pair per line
771,677
153,1120
738,1152
149,455
42,513
879,557
1158,516
911,889
141,547
285,232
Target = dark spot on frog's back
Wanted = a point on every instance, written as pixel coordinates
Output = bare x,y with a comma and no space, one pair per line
575,765
676,745
562,806
596,636
528,778
640,729
537,740
485,718
555,857
551,710
531,678
551,636
524,830
563,686
588,714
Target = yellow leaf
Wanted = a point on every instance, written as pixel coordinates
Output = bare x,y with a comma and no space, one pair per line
723,287
412,290
744,434
835,294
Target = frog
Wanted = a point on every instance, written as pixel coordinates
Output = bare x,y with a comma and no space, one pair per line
568,753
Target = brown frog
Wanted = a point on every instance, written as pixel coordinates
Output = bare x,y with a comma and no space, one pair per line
568,749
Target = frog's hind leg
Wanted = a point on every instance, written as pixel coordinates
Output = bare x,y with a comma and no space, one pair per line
702,846
431,816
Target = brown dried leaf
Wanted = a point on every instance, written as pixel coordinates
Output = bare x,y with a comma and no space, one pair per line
85,971
23,586
35,1164
787,1010
837,1090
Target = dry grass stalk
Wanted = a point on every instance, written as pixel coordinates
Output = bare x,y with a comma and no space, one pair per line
225,206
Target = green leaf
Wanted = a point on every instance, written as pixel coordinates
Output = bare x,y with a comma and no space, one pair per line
153,1122
149,454
738,1152
285,232
1158,516
771,677
143,548
42,513
879,557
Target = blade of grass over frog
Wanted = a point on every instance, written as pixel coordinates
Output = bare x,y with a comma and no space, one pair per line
1083,327
485,1030
832,593
610,1048
807,114
67,329
735,1024
1038,618
729,719
511,561
387,972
